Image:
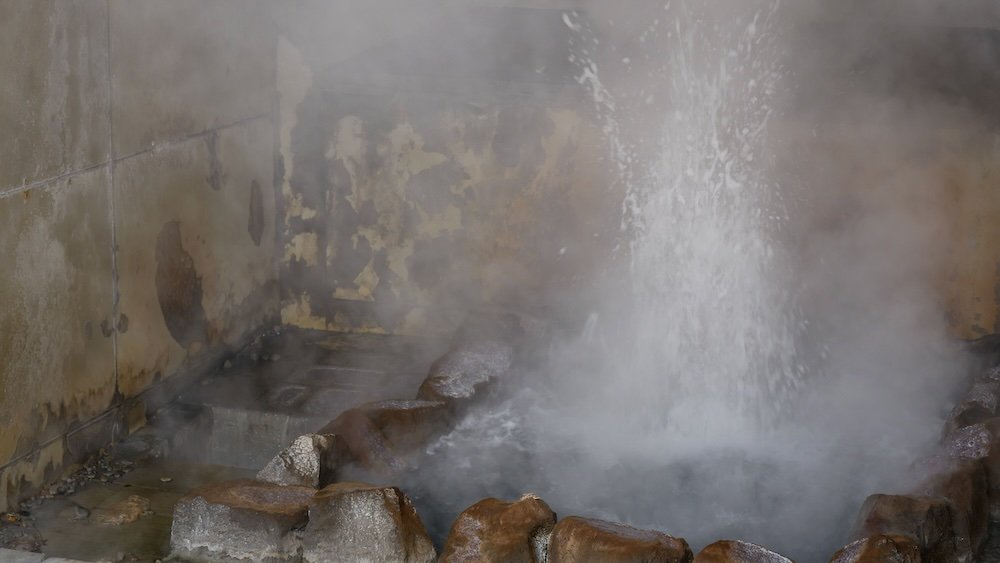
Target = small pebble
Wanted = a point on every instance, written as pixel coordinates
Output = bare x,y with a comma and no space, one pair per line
80,512
166,479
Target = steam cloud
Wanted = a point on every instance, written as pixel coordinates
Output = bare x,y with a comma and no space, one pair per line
778,348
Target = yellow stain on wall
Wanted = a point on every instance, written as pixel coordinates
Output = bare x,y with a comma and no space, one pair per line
298,312
304,247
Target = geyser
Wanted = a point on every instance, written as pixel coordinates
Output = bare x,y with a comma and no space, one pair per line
706,396
712,323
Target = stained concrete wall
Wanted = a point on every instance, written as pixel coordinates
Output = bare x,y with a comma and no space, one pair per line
136,210
922,199
444,165
433,159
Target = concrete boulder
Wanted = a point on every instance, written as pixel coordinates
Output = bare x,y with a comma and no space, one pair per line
929,521
246,521
464,373
360,522
310,461
728,551
493,530
577,539
879,549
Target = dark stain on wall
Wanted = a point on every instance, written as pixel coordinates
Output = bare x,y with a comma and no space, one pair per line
431,188
255,225
178,287
122,326
215,174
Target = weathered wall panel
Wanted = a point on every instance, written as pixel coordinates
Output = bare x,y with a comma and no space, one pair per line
923,199
196,238
55,328
187,66
184,91
416,185
54,93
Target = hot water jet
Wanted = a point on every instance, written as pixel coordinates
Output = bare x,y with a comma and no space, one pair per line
721,390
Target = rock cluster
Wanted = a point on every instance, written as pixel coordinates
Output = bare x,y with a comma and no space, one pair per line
945,517
300,510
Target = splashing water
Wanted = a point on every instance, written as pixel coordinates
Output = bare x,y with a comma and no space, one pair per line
712,346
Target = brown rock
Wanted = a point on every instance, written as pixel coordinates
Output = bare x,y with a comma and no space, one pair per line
575,540
963,482
408,424
928,520
359,522
122,512
992,462
738,552
880,549
495,530
240,520
375,434
360,441
466,371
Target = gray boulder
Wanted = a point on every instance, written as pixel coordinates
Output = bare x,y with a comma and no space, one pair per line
360,522
245,521
307,462
460,375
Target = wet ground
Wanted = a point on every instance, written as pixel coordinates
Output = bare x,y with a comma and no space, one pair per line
119,507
